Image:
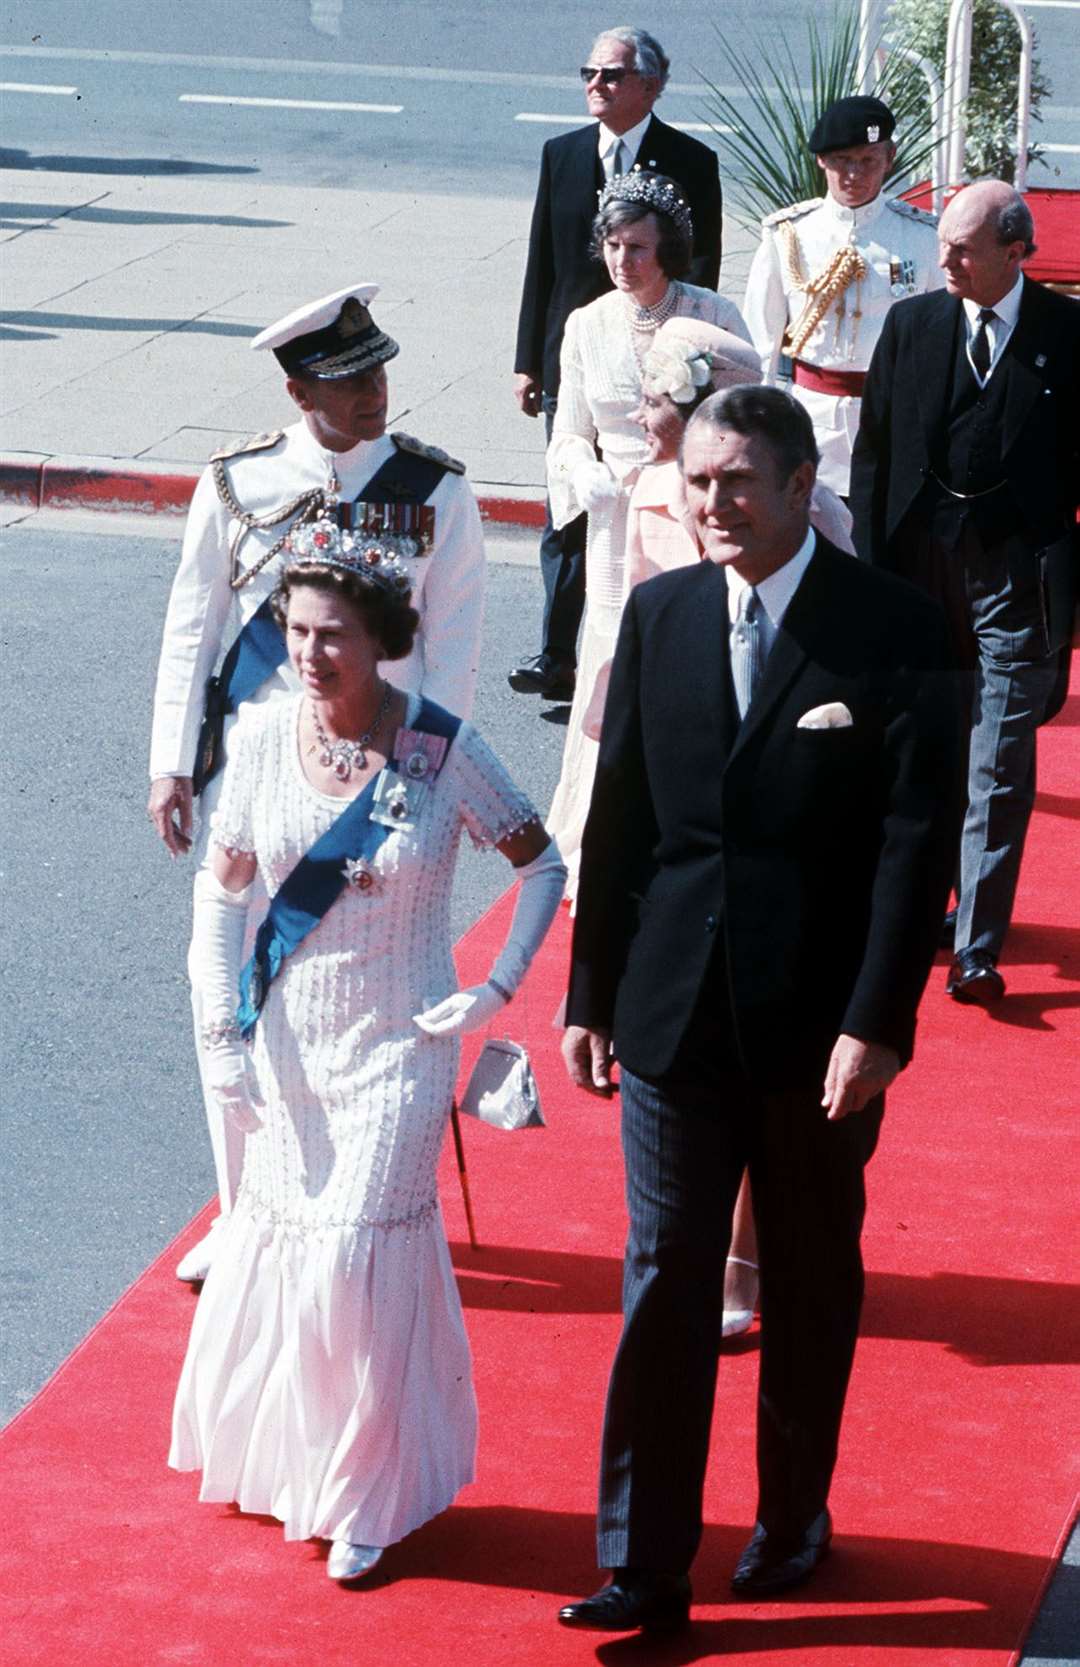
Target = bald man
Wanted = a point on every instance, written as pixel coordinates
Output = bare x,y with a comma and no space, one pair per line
966,478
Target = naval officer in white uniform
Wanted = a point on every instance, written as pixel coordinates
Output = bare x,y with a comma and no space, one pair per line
827,271
337,461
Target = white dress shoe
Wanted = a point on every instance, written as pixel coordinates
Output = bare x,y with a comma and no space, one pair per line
195,1265
738,1320
348,1562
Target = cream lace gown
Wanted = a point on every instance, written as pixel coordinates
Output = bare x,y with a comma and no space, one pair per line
328,1380
600,386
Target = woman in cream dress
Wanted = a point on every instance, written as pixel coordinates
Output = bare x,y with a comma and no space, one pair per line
327,1380
644,235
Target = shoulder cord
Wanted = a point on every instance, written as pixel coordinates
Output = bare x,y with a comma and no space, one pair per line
844,268
306,506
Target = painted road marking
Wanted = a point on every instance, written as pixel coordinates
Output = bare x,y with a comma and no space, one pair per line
581,121
36,87
329,66
292,103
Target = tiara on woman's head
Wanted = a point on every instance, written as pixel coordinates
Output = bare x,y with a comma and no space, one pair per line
658,193
376,558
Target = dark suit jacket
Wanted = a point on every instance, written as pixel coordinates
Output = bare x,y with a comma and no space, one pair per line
817,861
904,412
560,274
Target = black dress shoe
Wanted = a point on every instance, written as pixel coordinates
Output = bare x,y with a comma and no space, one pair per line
948,930
543,675
636,1600
775,1562
973,977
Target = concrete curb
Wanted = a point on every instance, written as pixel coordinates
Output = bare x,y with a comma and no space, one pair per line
138,487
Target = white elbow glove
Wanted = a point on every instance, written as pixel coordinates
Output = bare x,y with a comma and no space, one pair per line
217,947
595,487
542,884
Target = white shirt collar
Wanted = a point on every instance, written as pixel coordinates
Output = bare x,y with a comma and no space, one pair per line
865,215
631,139
1007,309
775,592
342,462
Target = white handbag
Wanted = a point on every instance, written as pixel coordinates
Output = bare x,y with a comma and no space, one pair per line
501,1089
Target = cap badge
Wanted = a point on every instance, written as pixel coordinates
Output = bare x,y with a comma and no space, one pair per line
352,319
873,134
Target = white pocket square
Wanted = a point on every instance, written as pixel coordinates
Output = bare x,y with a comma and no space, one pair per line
833,716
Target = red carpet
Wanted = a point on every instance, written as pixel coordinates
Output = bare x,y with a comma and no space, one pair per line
956,1477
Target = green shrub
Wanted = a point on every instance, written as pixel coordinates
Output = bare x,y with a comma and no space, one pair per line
995,66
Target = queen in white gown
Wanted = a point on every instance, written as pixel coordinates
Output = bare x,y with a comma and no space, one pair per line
327,1380
644,234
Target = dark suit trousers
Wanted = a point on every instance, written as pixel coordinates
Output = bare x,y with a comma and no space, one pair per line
562,568
992,595
685,1149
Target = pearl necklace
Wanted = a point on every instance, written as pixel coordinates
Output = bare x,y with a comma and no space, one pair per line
647,319
343,756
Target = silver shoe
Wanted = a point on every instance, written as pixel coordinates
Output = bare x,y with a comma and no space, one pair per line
348,1562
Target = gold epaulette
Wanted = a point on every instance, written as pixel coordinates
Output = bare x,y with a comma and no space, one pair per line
406,442
793,211
909,212
258,442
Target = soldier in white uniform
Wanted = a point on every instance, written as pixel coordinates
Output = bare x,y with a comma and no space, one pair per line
827,271
336,462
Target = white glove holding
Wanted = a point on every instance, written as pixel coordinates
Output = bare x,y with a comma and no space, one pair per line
217,946
230,1077
595,487
464,1011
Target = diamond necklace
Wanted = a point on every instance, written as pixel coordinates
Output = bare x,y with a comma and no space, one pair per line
343,756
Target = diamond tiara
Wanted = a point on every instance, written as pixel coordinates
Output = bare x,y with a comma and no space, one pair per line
656,190
378,559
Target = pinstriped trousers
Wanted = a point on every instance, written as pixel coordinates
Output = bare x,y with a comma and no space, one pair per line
685,1150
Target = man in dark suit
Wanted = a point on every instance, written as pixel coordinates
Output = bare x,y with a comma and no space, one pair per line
624,77
966,479
763,870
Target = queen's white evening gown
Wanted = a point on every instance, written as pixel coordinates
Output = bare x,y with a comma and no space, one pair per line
328,1380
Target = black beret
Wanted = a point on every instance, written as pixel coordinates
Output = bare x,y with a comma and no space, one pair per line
851,121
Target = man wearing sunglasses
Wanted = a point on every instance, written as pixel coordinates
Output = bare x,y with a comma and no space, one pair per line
624,76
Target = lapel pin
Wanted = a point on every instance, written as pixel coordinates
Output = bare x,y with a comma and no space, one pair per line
1040,360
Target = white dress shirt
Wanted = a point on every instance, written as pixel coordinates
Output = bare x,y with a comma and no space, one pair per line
774,593
631,144
1006,312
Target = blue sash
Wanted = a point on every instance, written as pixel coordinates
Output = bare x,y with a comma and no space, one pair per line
319,878
260,649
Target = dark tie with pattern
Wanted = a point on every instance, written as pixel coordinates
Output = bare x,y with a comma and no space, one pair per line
980,346
746,648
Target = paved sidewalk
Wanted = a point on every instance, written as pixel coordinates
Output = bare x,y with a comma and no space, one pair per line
128,307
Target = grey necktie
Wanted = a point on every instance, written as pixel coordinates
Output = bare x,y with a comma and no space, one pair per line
618,157
980,346
747,657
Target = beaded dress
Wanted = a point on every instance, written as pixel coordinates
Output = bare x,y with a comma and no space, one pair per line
600,387
328,1379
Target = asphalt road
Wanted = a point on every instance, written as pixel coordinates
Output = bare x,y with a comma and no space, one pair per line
449,97
106,1154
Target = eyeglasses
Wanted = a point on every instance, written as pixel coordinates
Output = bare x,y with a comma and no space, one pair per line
609,74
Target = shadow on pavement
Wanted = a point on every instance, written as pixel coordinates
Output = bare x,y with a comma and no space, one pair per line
141,326
127,216
117,164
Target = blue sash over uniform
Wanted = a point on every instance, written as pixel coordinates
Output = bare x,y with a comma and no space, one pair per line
321,875
405,478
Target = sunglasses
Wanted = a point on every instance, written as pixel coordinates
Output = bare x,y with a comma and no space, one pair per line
609,74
